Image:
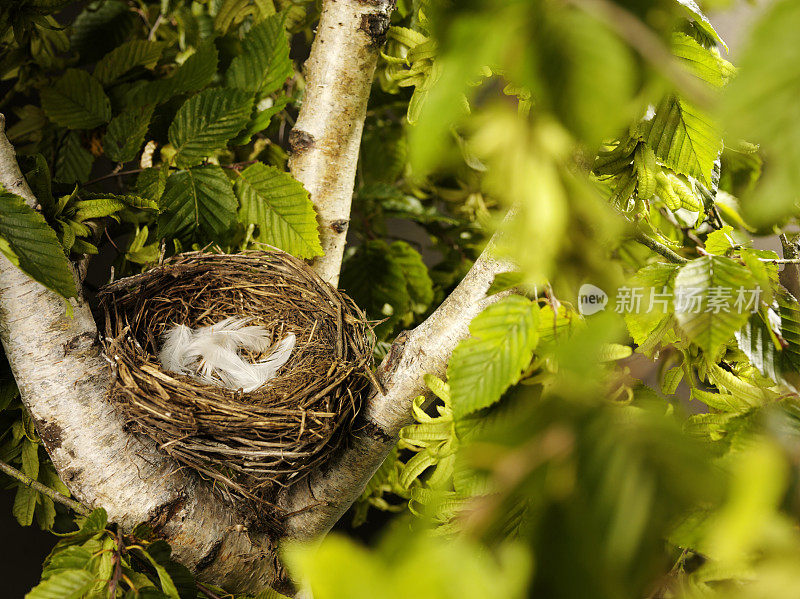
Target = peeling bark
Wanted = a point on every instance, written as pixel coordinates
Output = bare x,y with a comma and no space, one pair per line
327,135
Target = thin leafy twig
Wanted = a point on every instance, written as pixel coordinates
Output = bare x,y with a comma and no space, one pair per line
44,490
117,575
114,174
659,248
207,592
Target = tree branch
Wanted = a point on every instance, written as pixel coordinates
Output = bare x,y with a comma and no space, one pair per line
317,504
64,382
326,138
44,490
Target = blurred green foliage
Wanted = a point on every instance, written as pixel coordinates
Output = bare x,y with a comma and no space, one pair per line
630,454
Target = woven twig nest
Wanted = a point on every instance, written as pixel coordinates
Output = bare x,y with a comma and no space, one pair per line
249,442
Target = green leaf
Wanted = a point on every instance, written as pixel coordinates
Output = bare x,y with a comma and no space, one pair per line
720,241
70,584
45,512
95,522
760,345
259,122
205,123
130,200
233,12
129,55
151,182
706,292
264,65
656,282
167,585
684,138
789,311
30,458
71,557
34,244
501,343
200,199
39,181
73,162
708,65
76,101
100,27
279,205
24,505
126,132
374,279
696,15
194,74
419,284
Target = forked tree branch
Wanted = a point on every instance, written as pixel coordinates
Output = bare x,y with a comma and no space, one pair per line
323,498
327,135
64,381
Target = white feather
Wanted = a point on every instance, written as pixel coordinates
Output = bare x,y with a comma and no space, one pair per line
233,334
211,355
172,354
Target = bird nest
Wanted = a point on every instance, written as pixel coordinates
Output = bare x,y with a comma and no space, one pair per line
251,443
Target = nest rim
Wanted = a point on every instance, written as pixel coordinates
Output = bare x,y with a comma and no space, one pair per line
248,444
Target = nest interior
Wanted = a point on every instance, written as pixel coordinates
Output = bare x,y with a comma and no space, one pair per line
250,442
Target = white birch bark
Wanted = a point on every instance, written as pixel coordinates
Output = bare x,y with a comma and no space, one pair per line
64,384
64,381
327,135
318,503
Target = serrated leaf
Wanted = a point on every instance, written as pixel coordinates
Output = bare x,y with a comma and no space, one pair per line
684,139
699,313
34,244
233,12
655,282
151,182
419,284
201,200
501,343
38,179
50,478
76,101
789,311
45,512
205,123
167,585
264,63
24,505
132,54
259,122
672,378
760,345
73,162
100,27
280,207
30,458
70,584
693,12
194,74
72,557
130,200
720,241
126,132
708,65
